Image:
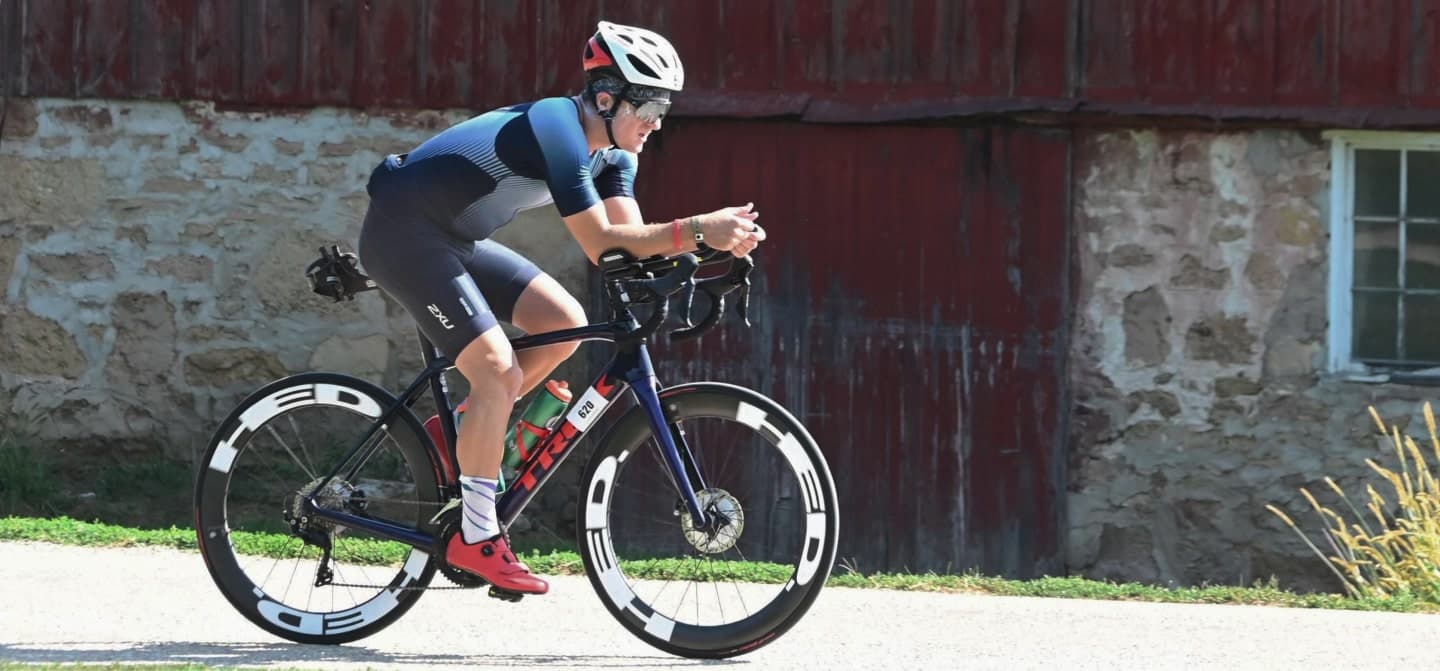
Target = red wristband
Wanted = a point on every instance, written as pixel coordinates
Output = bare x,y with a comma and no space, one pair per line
675,233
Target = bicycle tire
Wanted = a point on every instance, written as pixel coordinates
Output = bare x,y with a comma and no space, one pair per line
227,454
788,442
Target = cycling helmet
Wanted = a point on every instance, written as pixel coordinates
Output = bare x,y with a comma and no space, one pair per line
634,65
636,56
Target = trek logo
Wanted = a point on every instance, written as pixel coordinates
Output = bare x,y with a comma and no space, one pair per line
440,316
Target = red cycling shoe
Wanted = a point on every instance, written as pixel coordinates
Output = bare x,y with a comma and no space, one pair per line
492,560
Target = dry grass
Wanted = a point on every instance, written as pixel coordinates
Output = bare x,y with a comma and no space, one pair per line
1392,548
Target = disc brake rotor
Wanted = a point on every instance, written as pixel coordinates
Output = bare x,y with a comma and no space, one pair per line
727,522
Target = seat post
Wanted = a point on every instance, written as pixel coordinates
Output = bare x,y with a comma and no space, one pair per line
440,391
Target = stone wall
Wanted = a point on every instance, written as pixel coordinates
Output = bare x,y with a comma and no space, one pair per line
152,258
1198,357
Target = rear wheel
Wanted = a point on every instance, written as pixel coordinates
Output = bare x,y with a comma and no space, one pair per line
269,556
722,589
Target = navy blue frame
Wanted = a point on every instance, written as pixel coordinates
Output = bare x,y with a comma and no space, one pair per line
630,368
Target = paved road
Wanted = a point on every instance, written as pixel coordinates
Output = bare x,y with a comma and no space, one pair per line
85,605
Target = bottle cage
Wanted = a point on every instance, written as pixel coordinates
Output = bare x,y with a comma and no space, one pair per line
337,275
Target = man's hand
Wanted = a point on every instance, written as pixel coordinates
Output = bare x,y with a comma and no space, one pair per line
733,229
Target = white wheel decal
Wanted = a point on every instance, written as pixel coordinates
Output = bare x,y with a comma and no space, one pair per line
223,459
602,551
298,396
316,624
804,472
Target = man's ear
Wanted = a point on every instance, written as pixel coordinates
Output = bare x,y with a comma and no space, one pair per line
604,101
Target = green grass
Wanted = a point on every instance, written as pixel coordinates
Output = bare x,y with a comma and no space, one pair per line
27,477
144,480
144,491
1081,588
563,562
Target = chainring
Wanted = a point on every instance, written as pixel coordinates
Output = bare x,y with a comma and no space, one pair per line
449,525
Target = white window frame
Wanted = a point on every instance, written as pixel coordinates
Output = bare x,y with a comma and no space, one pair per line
1342,233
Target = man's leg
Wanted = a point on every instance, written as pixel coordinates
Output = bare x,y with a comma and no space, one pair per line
494,374
545,306
492,370
523,295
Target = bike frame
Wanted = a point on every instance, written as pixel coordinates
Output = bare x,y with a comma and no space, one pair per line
629,368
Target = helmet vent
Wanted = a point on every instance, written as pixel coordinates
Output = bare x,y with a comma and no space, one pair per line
642,67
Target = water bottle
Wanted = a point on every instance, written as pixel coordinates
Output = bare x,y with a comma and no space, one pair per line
536,422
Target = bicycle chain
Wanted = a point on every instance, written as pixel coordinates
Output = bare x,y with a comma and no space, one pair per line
451,586
404,589
441,571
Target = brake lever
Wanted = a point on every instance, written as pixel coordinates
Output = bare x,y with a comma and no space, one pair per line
745,304
687,300
717,288
717,309
743,271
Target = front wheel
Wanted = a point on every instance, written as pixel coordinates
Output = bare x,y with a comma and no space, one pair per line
730,587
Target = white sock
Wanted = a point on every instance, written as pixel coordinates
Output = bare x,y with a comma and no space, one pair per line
478,521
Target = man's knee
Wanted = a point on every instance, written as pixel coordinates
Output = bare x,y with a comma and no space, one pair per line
490,371
491,380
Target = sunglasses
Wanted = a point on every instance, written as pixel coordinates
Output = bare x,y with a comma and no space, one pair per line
650,111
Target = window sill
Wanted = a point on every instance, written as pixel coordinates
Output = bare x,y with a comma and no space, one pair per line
1428,377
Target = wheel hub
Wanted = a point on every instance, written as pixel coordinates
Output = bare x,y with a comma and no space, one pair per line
726,522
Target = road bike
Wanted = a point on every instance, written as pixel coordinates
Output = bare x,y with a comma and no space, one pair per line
351,502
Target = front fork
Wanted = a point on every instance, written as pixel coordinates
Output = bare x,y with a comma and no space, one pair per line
684,472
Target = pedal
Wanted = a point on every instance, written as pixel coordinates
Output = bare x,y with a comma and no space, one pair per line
505,594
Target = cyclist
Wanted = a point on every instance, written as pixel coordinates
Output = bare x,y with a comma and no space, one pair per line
425,242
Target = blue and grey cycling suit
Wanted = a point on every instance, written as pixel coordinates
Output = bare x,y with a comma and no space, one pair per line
425,237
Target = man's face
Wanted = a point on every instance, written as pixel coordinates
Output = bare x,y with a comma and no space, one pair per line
635,120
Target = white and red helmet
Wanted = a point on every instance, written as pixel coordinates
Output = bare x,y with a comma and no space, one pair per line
639,57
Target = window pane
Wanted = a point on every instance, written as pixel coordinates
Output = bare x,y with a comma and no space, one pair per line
1422,328
1422,190
1377,254
1422,256
1375,323
1377,182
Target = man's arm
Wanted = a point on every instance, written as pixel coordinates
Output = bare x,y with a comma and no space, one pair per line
616,222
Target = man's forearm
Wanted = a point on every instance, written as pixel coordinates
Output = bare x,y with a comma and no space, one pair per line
665,238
